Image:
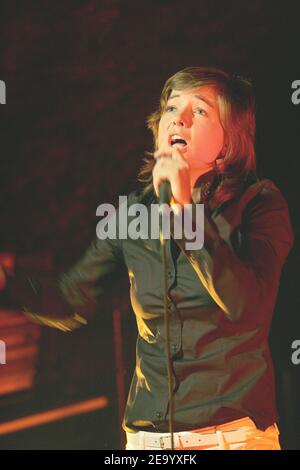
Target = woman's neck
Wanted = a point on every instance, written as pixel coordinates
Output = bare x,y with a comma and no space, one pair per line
198,172
195,175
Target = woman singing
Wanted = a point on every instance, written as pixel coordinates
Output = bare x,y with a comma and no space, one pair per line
221,297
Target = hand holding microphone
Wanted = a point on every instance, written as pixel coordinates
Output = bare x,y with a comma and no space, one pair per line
171,177
165,192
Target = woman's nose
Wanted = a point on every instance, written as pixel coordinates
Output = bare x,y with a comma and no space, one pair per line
182,119
178,121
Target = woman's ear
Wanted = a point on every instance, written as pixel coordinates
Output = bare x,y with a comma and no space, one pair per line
219,163
224,150
225,146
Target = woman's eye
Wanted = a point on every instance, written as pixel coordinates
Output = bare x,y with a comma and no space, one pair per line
196,111
201,111
170,108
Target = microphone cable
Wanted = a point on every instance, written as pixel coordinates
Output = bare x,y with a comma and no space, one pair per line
164,198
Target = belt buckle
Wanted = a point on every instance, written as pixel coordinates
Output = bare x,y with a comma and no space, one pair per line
165,442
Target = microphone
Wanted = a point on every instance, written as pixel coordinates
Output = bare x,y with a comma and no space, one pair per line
165,192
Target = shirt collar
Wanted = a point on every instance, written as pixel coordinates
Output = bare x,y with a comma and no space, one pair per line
203,185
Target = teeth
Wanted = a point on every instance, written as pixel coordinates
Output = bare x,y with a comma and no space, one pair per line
177,137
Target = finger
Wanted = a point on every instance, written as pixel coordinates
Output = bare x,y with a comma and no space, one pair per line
157,183
160,173
155,180
177,155
160,153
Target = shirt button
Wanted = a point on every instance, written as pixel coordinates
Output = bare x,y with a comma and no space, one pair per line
171,306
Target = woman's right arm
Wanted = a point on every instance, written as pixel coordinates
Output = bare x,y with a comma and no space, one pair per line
76,293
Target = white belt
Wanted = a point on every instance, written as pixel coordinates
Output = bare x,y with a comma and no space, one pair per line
144,439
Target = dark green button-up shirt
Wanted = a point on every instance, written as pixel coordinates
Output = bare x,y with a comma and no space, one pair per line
220,301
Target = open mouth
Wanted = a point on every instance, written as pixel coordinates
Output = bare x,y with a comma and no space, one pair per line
177,140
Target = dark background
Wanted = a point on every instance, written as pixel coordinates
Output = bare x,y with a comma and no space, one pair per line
81,78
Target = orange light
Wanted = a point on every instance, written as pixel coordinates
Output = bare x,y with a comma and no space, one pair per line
56,414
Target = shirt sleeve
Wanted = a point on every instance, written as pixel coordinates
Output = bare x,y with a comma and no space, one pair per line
91,277
246,281
72,296
66,302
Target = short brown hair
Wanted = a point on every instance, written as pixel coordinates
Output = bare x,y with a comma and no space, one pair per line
237,115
